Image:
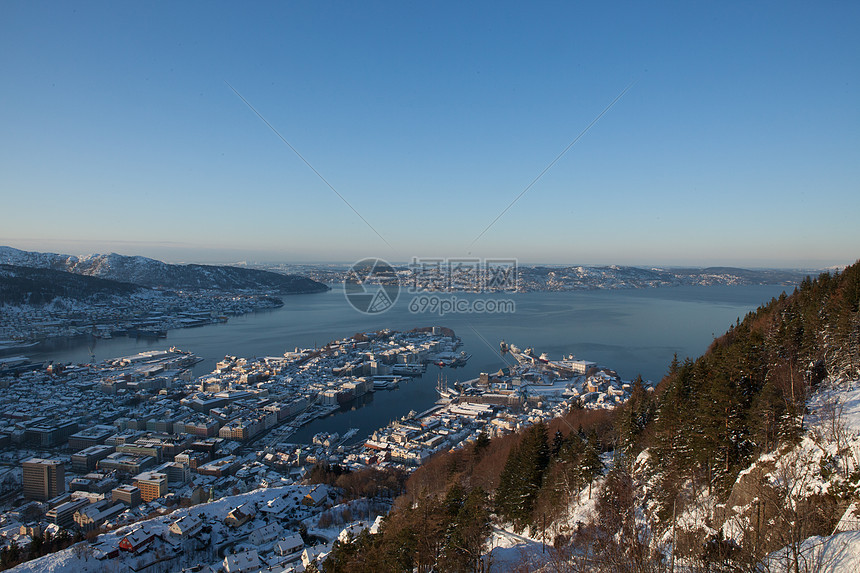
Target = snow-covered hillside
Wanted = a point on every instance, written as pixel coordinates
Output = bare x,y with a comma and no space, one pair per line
152,273
775,501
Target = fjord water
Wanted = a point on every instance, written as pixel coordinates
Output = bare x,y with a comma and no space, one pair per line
634,331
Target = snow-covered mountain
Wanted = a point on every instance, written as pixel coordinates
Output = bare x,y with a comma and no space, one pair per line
152,273
540,278
28,285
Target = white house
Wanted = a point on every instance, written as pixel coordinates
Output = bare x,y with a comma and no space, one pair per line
377,523
315,554
291,545
265,534
351,531
186,526
278,507
244,562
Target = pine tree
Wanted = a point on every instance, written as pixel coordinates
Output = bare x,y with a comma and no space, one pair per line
634,416
557,443
522,477
507,493
467,531
591,466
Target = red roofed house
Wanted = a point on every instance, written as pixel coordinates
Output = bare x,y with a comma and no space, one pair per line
136,540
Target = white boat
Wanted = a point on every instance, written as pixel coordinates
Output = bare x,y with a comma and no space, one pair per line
15,345
349,434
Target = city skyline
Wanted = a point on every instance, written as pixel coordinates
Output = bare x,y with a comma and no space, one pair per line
735,143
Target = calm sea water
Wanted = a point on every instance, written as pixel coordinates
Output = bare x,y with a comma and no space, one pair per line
631,331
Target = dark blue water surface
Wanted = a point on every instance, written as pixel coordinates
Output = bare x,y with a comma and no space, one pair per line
632,331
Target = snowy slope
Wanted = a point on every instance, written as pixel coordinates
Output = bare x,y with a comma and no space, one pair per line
152,273
823,465
832,554
825,462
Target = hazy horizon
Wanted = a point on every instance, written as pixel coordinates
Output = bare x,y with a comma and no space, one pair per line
347,263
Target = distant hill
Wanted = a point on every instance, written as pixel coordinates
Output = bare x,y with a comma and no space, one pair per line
541,278
26,285
152,273
750,276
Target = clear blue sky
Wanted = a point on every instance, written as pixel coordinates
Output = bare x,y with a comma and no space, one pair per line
738,144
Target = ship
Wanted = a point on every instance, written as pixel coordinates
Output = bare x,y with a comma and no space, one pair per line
408,369
385,382
524,358
349,434
461,360
445,391
451,359
16,345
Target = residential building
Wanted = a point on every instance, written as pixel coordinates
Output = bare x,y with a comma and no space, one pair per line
240,515
291,545
265,534
136,540
243,562
316,497
186,526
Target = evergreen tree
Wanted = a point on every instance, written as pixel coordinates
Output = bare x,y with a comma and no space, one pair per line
467,531
557,442
522,477
590,466
482,442
634,416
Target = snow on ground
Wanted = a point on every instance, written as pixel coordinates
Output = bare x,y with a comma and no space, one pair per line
332,522
833,554
833,433
836,399
510,551
826,456
66,561
832,439
583,507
